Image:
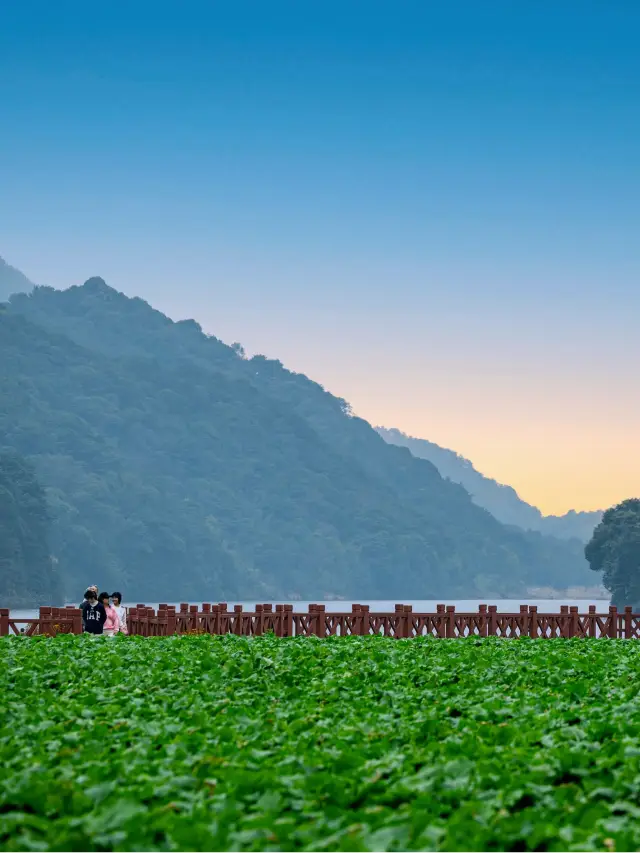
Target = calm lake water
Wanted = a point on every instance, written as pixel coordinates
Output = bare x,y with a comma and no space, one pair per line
504,605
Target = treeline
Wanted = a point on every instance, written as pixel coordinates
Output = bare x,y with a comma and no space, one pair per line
176,468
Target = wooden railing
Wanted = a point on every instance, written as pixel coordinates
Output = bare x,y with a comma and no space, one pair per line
49,622
401,623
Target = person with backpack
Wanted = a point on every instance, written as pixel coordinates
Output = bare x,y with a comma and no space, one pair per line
94,615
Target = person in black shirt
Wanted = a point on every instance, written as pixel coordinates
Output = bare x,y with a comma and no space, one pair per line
84,601
93,613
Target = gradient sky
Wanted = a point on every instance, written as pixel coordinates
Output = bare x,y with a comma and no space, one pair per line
431,208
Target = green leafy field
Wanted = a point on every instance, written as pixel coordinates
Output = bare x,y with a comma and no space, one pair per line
215,743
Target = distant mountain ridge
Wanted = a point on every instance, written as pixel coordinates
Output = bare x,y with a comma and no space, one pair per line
174,464
12,281
503,502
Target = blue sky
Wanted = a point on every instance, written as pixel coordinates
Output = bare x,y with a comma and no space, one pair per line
431,208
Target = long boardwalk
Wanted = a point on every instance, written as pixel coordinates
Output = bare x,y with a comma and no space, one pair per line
401,623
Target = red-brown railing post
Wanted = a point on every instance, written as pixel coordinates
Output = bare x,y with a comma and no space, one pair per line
161,622
204,620
144,620
366,622
573,622
362,620
223,618
258,621
278,620
237,619
401,620
4,622
628,623
356,620
215,619
482,620
288,620
408,620
193,618
182,621
267,621
592,630
45,620
171,621
145,614
320,627
313,624
493,620
613,623
451,621
524,620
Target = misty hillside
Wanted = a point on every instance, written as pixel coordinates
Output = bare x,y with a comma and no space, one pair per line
12,281
174,467
502,502
27,573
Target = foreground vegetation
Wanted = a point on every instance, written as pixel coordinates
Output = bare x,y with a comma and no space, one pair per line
214,743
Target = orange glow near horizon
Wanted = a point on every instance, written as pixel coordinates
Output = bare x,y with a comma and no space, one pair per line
555,467
561,442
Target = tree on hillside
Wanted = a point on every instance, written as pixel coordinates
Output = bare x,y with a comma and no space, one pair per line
614,550
27,575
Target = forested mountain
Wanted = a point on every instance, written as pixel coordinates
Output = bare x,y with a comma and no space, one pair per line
27,572
175,467
502,502
12,281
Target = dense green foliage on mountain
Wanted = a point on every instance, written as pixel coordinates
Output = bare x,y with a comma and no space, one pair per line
176,468
502,502
27,572
614,550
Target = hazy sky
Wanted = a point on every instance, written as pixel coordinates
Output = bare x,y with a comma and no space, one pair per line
432,208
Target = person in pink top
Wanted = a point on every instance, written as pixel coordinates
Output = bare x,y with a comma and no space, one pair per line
112,625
